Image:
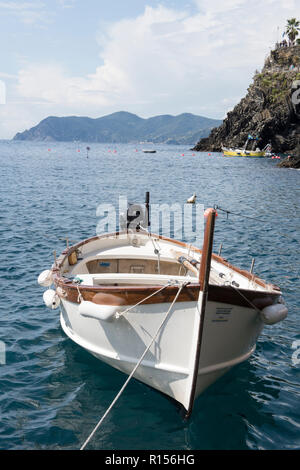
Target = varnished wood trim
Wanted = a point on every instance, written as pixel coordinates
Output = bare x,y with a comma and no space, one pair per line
204,285
102,298
207,251
190,293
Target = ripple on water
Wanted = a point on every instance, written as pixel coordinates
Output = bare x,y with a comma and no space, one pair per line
52,392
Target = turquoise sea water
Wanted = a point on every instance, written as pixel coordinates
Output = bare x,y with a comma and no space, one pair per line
52,392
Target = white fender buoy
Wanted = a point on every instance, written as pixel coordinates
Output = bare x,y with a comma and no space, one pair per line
97,311
45,278
51,299
274,313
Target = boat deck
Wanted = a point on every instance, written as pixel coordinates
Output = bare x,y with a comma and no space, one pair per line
145,259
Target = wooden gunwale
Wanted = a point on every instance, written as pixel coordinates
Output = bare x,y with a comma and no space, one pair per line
134,294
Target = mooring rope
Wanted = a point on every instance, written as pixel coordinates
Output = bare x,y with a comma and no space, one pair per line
133,371
119,314
79,298
216,207
245,298
260,219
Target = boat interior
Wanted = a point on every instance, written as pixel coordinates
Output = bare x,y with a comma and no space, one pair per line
141,265
131,271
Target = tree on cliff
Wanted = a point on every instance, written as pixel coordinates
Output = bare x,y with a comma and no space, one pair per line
292,29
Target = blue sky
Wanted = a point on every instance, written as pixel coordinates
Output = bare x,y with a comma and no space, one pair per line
94,57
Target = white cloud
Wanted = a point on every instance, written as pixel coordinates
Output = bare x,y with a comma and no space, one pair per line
19,6
66,3
8,75
163,61
219,6
27,12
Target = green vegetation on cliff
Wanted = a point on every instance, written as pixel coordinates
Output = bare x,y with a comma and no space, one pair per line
270,110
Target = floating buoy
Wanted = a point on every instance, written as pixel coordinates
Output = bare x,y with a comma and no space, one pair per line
51,299
182,154
45,278
49,150
192,199
209,154
273,313
99,312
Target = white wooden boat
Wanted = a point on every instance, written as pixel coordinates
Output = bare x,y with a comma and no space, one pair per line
114,291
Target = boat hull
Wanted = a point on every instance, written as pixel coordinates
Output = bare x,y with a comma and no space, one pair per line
229,337
242,153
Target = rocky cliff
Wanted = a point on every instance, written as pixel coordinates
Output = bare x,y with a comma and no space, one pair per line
269,111
290,162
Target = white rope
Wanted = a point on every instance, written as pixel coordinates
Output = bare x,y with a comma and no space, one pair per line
119,314
134,370
229,284
245,298
79,298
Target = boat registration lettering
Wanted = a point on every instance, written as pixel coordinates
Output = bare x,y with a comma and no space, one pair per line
222,314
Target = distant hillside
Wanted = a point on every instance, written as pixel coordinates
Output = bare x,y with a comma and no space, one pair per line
122,127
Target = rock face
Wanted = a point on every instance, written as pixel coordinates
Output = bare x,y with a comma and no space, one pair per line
290,162
270,111
122,127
